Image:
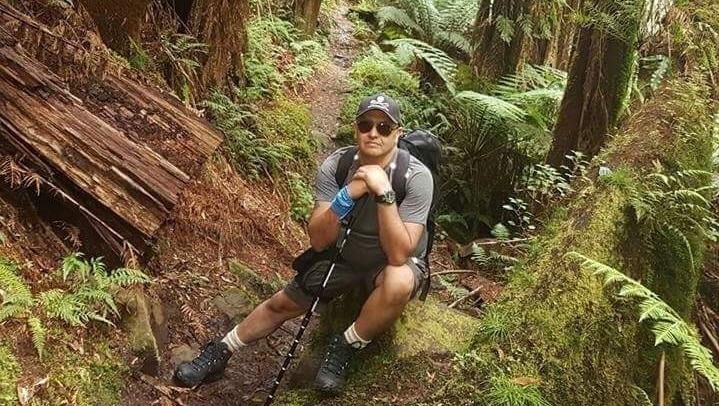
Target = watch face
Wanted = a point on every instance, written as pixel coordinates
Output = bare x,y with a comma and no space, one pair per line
388,198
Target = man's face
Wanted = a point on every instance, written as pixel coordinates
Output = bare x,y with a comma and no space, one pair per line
376,134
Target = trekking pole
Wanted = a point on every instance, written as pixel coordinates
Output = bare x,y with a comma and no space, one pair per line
308,315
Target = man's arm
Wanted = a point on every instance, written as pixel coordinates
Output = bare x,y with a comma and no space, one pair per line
397,238
324,223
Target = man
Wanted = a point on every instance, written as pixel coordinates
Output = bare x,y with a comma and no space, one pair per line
382,250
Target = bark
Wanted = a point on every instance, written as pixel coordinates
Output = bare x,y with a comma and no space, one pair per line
222,26
562,50
492,56
307,13
100,161
596,87
119,22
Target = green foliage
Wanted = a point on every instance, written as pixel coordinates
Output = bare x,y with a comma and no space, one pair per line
441,63
441,25
90,295
251,154
138,58
287,122
274,47
497,325
673,206
182,52
9,372
15,294
495,140
504,391
665,323
301,199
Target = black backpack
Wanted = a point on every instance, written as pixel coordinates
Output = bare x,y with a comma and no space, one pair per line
424,146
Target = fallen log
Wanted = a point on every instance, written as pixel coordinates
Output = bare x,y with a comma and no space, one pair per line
112,152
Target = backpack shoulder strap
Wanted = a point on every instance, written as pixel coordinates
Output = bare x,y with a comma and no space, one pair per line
399,175
343,166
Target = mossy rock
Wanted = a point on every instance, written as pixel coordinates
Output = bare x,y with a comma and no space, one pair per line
410,364
139,326
250,280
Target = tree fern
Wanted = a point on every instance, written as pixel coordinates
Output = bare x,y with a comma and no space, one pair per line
437,59
399,17
666,325
482,105
38,334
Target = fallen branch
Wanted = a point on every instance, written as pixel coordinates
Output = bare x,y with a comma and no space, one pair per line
468,295
495,242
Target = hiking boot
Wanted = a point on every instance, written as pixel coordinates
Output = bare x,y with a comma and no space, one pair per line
208,366
331,376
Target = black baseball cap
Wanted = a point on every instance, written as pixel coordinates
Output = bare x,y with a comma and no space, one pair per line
380,102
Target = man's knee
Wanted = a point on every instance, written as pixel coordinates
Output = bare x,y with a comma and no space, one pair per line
397,284
281,303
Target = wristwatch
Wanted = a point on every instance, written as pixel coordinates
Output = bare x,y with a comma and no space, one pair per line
388,197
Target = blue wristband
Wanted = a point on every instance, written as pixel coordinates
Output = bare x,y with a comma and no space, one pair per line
342,204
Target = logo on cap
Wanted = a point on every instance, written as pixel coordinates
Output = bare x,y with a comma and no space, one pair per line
379,102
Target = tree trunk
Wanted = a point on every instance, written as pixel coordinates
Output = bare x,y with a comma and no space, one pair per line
119,22
112,155
596,87
492,56
307,13
562,49
222,26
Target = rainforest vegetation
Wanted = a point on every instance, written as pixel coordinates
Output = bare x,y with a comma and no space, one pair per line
157,160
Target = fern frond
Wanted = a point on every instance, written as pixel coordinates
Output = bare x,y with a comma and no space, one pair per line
92,297
75,264
455,40
393,15
17,297
98,266
128,276
60,305
39,334
666,324
673,230
437,59
482,105
458,16
641,396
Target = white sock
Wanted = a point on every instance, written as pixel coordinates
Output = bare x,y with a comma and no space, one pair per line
233,342
354,339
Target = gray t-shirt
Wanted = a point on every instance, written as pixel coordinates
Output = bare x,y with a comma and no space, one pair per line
363,247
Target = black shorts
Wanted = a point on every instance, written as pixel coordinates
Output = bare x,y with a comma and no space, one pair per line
303,287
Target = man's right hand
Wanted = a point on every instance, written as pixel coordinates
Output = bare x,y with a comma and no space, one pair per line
357,188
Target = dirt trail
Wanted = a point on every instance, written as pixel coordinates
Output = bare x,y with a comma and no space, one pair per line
327,91
251,370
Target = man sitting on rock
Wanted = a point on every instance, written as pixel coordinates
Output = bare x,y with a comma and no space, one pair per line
383,250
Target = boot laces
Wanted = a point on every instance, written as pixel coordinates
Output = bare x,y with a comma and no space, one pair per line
211,353
338,356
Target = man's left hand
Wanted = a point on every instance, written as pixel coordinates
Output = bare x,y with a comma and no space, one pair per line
375,177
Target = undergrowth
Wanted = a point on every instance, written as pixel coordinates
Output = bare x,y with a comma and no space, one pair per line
85,292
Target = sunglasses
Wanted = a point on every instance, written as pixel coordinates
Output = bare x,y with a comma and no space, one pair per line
383,128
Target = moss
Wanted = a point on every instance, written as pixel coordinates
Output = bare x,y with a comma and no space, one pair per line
287,121
416,352
9,372
556,321
93,378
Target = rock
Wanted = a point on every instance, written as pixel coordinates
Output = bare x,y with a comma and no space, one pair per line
181,354
235,303
250,279
138,325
